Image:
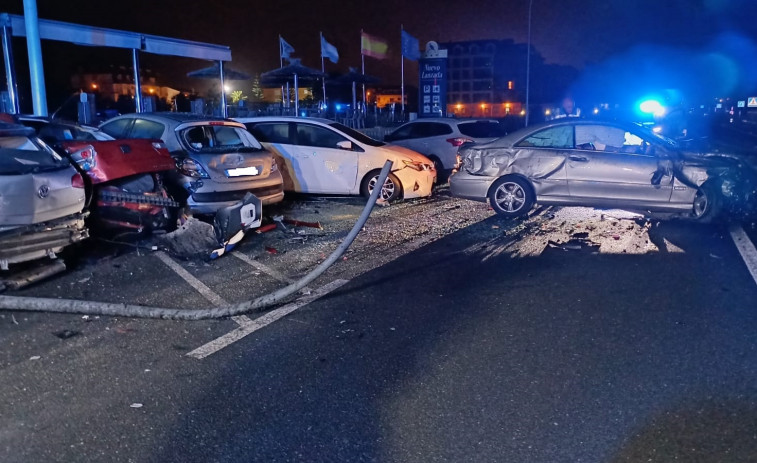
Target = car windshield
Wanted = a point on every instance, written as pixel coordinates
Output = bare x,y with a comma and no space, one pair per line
219,139
361,137
25,155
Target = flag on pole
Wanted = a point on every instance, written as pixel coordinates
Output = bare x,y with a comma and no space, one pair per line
410,47
286,49
373,46
329,51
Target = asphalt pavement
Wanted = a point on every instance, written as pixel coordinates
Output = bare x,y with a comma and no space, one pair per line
461,350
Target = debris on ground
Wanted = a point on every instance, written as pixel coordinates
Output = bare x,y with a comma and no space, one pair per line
193,238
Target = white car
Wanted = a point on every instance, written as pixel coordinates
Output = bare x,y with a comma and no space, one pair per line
440,138
325,157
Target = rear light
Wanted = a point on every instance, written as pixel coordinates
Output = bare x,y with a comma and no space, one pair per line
191,168
158,145
77,181
216,123
458,141
85,157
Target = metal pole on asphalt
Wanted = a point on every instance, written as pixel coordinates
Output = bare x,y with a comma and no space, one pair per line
36,69
402,66
10,69
127,310
137,83
224,112
323,70
528,60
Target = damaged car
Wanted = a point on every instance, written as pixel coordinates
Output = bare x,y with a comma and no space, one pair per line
124,179
41,198
611,164
321,156
217,160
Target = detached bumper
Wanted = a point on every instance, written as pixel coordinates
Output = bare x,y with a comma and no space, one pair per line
467,186
32,242
416,184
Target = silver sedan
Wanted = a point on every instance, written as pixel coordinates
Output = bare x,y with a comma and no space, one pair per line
600,164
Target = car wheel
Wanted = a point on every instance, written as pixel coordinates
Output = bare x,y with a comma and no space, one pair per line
511,196
442,175
391,190
707,204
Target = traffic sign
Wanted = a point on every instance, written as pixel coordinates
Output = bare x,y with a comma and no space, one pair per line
752,102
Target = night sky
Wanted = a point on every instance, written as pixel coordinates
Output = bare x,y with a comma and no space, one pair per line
595,36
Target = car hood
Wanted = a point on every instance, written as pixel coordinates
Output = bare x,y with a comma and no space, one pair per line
400,153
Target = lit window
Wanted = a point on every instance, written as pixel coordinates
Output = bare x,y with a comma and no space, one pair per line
510,84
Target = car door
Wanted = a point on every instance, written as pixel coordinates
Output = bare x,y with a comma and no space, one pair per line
279,138
613,164
326,167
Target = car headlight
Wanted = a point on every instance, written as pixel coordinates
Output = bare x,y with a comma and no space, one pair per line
274,166
191,168
418,165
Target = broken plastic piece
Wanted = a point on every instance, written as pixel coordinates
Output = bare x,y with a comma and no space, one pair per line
266,228
271,250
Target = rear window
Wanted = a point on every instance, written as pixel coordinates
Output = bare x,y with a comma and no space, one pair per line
482,129
430,129
23,155
219,139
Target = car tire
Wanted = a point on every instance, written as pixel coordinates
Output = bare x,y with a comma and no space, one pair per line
511,196
442,174
392,187
707,204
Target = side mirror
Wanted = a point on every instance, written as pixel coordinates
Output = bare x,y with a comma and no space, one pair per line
657,177
344,145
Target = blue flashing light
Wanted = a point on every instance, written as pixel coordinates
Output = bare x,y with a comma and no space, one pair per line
652,107
338,107
303,114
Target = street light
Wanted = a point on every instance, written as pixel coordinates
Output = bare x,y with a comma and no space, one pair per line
528,59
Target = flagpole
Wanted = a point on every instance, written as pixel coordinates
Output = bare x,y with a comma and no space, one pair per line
362,59
323,70
281,65
402,66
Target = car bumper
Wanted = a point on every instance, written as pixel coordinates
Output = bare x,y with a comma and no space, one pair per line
32,242
202,202
467,186
416,184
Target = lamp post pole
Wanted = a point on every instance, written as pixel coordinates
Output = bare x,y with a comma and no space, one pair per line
528,61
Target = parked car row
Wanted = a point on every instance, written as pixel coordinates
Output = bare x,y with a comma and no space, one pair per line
144,172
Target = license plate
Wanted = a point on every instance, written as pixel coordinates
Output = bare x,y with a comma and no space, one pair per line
242,171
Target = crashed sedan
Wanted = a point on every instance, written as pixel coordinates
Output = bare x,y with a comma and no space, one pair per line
41,198
578,162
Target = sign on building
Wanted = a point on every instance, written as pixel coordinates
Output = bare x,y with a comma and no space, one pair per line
752,102
432,85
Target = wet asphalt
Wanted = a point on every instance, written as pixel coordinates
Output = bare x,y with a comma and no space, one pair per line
457,351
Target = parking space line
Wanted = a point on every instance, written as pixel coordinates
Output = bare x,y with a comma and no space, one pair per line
203,289
746,249
263,321
262,267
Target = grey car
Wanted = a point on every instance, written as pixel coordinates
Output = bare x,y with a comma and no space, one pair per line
602,164
41,198
439,138
218,161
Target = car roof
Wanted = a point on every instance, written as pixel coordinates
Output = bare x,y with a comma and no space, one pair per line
245,120
166,116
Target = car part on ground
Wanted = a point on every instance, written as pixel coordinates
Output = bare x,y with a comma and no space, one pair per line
217,160
604,164
324,157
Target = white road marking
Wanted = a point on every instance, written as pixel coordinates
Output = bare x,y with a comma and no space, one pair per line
206,292
746,249
262,267
263,321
